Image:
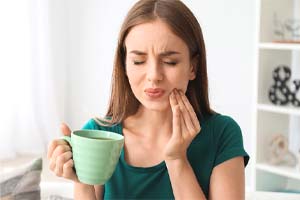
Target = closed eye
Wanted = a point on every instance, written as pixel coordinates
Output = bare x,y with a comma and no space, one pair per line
142,62
171,63
138,63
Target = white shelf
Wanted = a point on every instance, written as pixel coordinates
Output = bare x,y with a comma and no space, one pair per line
279,109
279,46
269,119
290,172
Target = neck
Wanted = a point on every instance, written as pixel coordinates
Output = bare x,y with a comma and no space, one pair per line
155,122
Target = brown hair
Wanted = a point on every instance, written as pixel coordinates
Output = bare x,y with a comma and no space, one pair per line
184,24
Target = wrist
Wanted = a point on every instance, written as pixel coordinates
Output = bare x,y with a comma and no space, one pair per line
84,191
83,186
178,163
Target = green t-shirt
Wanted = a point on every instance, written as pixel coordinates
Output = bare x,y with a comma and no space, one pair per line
220,139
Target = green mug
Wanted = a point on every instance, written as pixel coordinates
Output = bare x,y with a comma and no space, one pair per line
95,154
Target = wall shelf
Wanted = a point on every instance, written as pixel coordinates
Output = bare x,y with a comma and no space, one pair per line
279,46
270,120
279,109
289,172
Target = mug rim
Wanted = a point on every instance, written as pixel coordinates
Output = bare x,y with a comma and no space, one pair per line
117,137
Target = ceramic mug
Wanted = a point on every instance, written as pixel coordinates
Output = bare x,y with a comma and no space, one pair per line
95,154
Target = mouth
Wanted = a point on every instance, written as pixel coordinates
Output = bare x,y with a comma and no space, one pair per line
154,92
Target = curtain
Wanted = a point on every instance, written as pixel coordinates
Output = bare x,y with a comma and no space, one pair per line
30,107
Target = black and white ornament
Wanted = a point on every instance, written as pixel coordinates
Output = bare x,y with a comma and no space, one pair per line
280,93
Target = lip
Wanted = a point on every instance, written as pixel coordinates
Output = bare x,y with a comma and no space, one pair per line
154,92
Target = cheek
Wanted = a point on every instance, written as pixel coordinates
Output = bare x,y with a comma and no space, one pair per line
131,74
134,79
180,81
182,85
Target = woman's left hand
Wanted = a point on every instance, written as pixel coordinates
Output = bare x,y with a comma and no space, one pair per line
185,127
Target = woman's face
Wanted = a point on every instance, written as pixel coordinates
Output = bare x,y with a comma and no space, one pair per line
157,61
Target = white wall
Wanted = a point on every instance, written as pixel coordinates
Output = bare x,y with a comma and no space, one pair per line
92,28
59,51
229,32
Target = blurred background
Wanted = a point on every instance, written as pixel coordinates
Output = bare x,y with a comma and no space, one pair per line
56,59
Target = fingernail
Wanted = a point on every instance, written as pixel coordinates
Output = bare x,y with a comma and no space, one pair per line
172,95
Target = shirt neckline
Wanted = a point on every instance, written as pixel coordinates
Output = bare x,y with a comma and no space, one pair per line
156,167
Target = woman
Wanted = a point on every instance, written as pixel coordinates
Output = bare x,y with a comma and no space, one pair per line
175,145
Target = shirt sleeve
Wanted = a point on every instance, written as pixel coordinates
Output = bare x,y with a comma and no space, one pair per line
229,141
90,125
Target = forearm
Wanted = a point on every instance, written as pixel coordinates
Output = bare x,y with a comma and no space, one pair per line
183,180
83,191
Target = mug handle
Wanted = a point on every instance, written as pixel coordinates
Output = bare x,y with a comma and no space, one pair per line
67,139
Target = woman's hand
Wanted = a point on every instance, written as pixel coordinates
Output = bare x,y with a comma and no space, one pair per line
60,156
185,127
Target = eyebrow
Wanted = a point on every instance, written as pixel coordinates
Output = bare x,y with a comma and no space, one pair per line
163,54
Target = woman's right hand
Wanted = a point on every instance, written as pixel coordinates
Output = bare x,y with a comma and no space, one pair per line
61,163
60,156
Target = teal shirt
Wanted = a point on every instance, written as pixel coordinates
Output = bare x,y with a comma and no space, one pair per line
220,139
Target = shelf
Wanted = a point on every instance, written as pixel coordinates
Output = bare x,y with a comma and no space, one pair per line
279,46
279,109
263,195
290,172
276,44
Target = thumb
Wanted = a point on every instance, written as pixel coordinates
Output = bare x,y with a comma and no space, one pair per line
65,129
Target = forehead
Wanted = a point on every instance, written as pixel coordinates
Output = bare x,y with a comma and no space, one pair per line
155,35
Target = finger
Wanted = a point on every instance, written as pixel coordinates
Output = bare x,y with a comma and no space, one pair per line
178,100
60,161
52,146
68,171
191,111
176,124
59,150
189,126
184,129
173,100
65,129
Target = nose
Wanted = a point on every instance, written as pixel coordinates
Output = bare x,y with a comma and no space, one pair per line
154,73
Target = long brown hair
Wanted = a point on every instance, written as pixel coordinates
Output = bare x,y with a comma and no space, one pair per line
184,24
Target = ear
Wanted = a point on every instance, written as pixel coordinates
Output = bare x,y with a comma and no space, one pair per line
193,69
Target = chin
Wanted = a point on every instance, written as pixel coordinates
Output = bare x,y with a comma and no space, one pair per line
156,106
